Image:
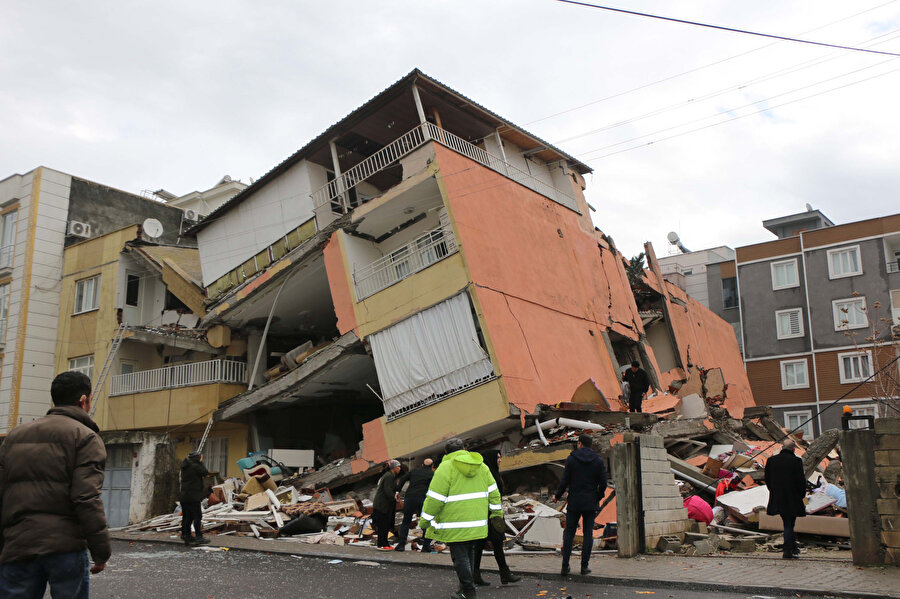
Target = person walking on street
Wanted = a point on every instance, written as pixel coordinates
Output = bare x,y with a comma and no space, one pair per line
491,459
51,514
638,385
585,479
385,504
418,479
461,499
787,488
192,474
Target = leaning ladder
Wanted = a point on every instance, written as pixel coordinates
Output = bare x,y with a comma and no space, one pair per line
107,365
205,435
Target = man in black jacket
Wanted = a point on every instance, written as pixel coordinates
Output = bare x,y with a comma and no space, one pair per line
585,478
419,479
638,385
385,504
192,474
787,488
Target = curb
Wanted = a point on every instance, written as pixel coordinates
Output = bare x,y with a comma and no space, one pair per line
593,578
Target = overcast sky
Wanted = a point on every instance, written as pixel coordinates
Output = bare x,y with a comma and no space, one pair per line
144,95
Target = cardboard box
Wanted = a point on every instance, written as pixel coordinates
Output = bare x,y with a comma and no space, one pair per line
815,525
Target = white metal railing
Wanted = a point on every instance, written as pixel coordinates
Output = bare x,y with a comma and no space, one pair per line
403,145
420,253
6,254
180,375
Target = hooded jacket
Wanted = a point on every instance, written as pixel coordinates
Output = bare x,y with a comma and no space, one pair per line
51,473
192,473
585,478
461,498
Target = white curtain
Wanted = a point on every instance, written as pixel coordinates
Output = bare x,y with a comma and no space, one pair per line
432,353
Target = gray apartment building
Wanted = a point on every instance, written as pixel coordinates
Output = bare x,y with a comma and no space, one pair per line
819,309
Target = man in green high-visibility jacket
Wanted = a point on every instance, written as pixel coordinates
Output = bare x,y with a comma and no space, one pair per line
461,499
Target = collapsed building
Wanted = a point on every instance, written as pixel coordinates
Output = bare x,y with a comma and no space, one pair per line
425,269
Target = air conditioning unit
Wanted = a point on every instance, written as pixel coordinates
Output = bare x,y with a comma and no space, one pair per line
77,229
191,215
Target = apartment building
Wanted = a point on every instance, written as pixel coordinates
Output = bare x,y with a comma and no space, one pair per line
197,204
423,269
42,212
819,309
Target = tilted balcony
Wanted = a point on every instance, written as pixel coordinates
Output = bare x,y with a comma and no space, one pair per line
179,375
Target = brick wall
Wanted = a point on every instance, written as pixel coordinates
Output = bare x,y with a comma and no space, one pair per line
887,477
664,511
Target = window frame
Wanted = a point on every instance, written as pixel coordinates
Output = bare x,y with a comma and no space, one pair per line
798,335
857,424
847,248
783,364
775,285
96,294
805,415
7,246
861,353
5,295
75,367
836,314
737,300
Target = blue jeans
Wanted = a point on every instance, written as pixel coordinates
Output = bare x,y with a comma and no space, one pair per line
66,573
463,556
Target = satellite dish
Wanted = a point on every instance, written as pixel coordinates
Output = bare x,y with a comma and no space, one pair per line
809,207
673,237
152,228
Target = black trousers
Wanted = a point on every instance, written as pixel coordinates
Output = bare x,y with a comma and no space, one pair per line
498,555
634,404
790,537
587,528
191,513
383,522
463,555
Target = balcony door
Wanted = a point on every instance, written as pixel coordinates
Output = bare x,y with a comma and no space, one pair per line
131,314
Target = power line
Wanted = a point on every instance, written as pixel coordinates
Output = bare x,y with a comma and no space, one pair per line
696,69
730,29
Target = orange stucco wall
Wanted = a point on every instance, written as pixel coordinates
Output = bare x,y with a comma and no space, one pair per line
545,281
341,295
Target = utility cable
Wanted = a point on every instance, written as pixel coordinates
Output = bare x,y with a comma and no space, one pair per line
729,29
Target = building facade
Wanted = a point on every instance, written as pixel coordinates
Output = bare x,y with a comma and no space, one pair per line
819,310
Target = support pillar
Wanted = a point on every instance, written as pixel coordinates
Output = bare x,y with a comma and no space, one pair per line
421,111
625,463
858,456
338,180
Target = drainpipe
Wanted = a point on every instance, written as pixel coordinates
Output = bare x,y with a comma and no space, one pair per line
580,424
809,325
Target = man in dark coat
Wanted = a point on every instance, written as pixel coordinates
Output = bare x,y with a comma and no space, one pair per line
585,478
419,479
385,504
787,488
192,474
638,385
51,515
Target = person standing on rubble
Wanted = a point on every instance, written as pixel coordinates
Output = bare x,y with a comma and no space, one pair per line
585,479
192,474
461,499
51,473
418,479
496,537
787,488
638,385
385,504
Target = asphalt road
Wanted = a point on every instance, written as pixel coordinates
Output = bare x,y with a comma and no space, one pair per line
152,570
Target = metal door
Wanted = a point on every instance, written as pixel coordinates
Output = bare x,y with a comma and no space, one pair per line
116,492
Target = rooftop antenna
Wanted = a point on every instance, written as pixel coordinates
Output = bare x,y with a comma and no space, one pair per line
676,241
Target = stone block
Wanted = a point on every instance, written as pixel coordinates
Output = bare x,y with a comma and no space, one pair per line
885,442
743,545
651,441
668,543
703,547
699,527
662,503
655,466
676,515
887,457
891,538
887,426
690,537
888,507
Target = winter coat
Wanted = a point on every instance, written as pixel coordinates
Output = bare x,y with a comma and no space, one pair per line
585,478
638,382
419,479
51,473
787,485
461,498
385,499
192,474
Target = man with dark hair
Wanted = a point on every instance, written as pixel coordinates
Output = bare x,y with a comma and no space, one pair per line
585,478
192,474
787,488
638,385
461,499
51,515
419,479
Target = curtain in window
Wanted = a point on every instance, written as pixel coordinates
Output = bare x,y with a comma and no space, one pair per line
432,353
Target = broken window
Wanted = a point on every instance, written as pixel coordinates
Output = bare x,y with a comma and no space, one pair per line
173,303
132,290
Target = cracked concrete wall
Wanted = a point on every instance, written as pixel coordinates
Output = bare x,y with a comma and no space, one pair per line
154,473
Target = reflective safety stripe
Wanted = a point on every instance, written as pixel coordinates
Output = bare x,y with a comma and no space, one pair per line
465,496
437,496
495,506
425,516
471,524
492,487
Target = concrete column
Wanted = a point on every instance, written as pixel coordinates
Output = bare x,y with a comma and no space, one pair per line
499,141
338,181
626,473
254,340
858,456
421,111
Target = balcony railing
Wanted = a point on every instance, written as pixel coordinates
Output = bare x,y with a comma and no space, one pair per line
420,253
400,147
181,375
